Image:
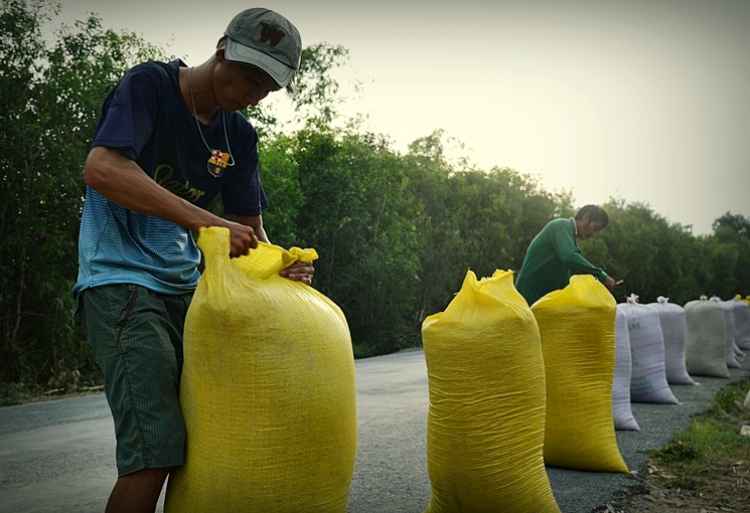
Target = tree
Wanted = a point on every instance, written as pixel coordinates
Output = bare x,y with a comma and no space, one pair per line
656,258
735,222
357,214
50,97
317,90
471,219
731,252
396,233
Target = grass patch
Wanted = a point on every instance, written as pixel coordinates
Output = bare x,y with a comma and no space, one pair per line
709,461
714,436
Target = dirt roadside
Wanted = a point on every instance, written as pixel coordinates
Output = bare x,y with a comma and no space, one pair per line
720,489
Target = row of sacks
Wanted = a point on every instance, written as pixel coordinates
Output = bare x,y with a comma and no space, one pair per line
663,344
513,388
269,400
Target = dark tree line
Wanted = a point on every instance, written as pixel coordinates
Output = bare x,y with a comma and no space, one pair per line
656,258
396,232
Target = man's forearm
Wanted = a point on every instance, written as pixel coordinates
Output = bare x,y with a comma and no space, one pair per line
122,182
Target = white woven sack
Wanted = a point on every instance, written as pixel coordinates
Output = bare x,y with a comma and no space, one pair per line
729,335
705,339
648,381
737,351
621,410
741,324
672,319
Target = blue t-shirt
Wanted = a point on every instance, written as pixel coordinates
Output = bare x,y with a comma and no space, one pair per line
146,119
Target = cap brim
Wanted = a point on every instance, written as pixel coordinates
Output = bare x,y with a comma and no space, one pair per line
279,72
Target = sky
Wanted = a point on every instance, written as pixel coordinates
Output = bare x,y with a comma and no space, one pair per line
641,100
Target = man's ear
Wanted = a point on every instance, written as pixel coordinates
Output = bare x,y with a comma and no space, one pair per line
220,53
585,218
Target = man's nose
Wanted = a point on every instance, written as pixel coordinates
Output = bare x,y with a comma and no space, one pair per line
254,97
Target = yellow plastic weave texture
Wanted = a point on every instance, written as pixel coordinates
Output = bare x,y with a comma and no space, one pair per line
485,430
268,390
577,326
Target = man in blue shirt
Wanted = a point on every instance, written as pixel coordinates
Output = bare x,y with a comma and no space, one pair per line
170,138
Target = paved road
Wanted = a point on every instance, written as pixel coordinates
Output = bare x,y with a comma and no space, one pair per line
58,456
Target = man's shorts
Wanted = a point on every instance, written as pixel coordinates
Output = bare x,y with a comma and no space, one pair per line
136,335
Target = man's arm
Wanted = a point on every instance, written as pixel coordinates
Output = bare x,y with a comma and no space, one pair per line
121,181
563,242
254,222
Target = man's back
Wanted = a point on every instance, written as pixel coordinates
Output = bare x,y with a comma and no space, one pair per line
552,258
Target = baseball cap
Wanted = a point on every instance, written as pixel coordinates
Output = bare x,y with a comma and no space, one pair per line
264,39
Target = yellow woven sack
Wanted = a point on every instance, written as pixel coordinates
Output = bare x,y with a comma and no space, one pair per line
485,430
267,392
577,326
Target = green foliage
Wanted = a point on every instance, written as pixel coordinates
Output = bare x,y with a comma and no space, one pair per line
676,451
728,400
282,187
357,213
18,393
740,225
317,91
471,219
656,258
731,247
50,97
396,233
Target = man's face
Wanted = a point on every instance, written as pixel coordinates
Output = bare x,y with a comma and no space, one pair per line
589,229
239,86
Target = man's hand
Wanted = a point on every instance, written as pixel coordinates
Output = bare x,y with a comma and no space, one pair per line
243,239
299,271
610,283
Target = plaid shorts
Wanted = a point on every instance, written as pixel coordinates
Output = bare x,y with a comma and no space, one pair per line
136,335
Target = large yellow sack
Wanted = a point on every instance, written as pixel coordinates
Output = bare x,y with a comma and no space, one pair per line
485,431
577,327
267,393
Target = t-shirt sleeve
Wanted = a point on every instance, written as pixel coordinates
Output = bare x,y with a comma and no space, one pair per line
129,113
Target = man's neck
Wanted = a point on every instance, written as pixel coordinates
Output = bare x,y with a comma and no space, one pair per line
196,95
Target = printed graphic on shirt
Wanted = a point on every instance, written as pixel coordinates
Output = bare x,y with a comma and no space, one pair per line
163,176
217,163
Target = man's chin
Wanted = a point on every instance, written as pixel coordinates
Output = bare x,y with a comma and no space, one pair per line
234,107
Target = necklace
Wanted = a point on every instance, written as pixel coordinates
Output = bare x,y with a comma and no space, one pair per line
198,124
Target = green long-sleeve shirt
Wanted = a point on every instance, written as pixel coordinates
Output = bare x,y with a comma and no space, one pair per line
552,258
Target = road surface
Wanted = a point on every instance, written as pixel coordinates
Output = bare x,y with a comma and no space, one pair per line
58,456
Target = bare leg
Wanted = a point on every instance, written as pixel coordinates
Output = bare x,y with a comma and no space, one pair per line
137,492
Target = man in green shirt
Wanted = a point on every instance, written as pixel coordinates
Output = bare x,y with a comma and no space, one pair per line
553,256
